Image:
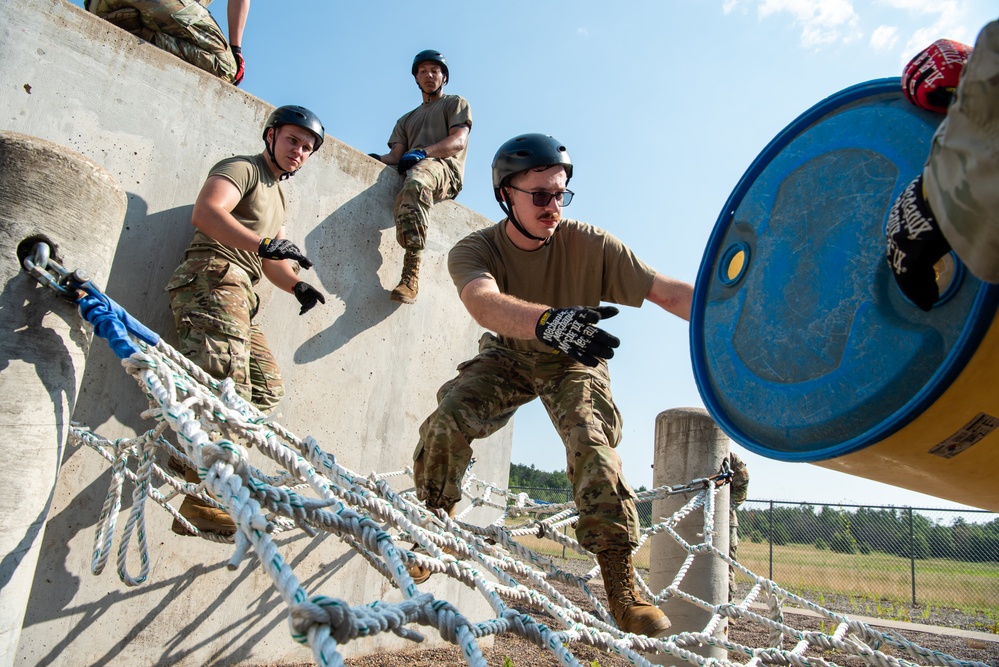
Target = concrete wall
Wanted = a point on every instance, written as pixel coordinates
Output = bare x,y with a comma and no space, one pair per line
361,371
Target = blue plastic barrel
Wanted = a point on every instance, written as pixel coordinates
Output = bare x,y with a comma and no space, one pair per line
803,347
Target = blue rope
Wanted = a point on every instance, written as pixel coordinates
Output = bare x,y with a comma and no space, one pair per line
112,323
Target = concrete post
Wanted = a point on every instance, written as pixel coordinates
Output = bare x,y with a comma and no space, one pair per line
689,446
52,192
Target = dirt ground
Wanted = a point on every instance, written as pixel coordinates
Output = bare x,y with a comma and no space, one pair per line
510,649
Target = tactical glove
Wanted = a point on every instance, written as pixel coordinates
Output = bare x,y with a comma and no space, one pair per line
237,53
282,249
408,160
915,244
308,296
930,79
571,331
376,156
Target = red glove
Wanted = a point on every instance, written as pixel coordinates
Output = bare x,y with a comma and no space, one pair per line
930,79
237,53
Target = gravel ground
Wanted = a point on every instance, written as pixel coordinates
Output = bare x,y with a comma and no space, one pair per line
522,653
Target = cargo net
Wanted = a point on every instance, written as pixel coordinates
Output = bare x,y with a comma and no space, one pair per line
211,428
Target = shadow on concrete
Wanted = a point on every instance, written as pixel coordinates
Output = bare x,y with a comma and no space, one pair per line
348,240
24,303
251,627
162,238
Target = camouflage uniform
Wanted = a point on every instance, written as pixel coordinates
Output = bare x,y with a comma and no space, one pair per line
483,398
184,28
213,306
961,177
428,182
431,180
211,292
738,489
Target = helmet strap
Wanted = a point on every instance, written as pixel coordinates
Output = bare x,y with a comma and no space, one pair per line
520,227
285,175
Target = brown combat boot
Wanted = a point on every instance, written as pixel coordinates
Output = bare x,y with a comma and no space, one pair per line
201,515
632,613
409,284
420,573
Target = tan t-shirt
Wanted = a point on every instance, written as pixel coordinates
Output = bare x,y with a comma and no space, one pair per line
261,209
582,266
429,123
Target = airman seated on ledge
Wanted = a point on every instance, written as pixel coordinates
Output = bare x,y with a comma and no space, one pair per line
428,147
239,218
184,28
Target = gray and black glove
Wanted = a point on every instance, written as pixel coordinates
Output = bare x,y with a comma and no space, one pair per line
915,244
308,296
282,249
571,331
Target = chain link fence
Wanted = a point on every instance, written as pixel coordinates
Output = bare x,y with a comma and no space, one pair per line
882,561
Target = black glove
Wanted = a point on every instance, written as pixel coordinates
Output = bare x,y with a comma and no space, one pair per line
282,249
570,330
376,156
409,159
915,244
308,296
237,53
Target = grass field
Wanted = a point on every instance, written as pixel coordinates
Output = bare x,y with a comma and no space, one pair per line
879,577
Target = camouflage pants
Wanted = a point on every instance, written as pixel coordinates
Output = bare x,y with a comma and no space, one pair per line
427,183
184,28
213,305
962,171
482,399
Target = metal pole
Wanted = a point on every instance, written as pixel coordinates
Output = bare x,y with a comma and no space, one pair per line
912,557
771,540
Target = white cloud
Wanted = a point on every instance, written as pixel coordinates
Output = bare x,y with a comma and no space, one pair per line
884,38
585,32
822,21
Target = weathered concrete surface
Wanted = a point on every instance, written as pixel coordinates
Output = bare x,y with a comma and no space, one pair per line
361,371
689,445
44,191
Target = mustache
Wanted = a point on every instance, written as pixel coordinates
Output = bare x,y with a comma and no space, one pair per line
550,217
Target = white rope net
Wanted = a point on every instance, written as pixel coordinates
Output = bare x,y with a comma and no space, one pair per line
212,429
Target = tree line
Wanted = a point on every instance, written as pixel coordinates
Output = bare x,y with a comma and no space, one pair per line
895,531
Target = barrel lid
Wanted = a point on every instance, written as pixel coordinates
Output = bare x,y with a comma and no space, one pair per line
803,347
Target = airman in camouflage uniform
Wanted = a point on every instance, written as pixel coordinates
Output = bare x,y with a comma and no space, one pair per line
537,281
239,218
738,490
953,204
428,147
961,178
184,28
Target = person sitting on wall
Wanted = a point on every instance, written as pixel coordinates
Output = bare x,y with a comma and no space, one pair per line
428,147
184,28
954,202
239,218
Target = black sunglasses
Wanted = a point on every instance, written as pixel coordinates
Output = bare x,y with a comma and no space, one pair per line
541,199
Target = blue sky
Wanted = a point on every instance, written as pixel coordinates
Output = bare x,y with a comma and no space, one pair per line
662,104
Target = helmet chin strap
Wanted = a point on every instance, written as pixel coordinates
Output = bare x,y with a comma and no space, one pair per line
520,227
439,88
285,175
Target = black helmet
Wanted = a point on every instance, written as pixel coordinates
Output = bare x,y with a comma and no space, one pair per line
296,115
430,54
528,151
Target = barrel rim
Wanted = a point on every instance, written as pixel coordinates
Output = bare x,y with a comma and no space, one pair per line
986,302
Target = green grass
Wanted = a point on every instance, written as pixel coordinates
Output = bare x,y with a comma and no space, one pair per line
938,582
